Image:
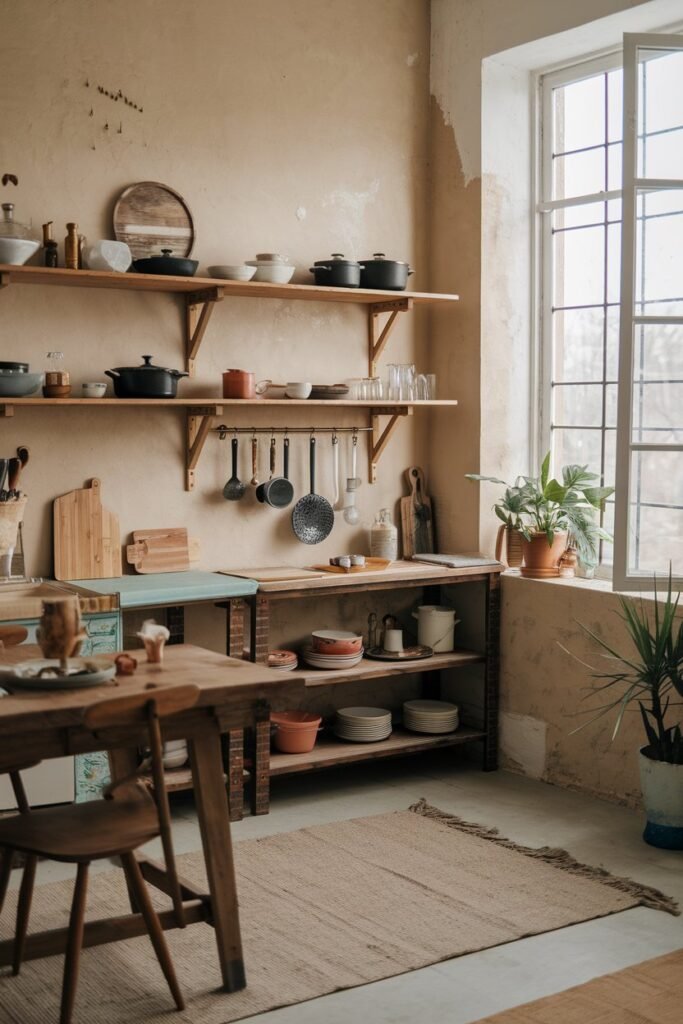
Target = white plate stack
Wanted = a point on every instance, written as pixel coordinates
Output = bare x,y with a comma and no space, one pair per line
434,716
363,725
331,661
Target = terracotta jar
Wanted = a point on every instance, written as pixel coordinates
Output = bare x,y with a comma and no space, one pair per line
541,560
238,384
509,547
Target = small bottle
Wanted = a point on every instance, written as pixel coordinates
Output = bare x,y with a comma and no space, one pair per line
50,254
384,537
71,247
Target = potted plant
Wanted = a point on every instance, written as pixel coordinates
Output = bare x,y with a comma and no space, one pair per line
551,516
509,509
650,676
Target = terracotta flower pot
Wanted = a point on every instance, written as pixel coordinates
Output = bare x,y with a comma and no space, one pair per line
509,547
541,560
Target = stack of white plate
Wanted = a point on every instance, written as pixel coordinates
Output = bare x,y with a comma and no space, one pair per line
363,725
331,661
433,716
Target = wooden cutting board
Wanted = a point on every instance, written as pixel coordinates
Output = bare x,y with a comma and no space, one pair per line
162,550
276,574
87,540
371,565
417,518
149,217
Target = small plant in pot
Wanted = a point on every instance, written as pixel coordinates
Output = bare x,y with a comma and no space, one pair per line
651,677
552,516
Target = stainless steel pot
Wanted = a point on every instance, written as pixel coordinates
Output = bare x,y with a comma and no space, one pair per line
146,381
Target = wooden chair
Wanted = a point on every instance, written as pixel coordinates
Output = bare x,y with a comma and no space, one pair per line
80,833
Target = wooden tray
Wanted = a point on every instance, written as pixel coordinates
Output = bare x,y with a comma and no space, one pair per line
417,653
371,565
149,217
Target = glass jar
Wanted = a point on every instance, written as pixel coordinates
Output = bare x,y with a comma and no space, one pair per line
384,537
9,227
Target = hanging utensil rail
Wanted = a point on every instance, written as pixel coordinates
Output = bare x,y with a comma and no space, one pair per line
224,431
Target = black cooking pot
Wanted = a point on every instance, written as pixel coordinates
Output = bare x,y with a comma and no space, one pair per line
14,367
336,272
145,381
177,266
379,272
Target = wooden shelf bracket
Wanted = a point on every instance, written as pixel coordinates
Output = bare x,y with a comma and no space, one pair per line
377,338
380,437
198,310
198,427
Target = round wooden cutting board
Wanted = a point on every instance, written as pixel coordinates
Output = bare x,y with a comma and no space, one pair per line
149,217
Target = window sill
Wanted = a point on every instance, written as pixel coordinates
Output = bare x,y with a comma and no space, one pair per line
595,585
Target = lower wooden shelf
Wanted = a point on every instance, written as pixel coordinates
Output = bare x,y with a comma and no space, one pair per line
331,751
370,669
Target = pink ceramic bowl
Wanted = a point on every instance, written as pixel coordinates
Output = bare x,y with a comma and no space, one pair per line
295,731
336,641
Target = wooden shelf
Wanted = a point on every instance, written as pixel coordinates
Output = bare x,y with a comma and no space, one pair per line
331,751
198,285
374,406
369,669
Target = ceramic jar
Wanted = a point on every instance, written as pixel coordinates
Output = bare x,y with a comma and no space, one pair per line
239,384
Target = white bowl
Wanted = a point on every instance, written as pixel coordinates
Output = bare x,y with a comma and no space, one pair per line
93,389
17,251
271,257
233,272
273,273
298,389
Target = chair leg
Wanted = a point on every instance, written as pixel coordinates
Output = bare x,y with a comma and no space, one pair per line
5,872
73,945
137,884
24,910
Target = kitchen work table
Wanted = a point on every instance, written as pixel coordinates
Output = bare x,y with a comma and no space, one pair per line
44,724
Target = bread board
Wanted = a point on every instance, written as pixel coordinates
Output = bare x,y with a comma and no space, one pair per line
274,574
371,565
87,541
162,550
417,518
149,217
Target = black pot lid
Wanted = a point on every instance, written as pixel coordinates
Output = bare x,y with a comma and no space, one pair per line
147,365
336,260
18,367
379,257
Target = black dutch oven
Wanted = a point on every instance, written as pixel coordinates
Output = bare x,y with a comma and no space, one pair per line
379,272
145,381
336,272
14,367
177,266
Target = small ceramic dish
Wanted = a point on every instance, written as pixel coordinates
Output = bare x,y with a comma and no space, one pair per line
93,389
298,389
233,272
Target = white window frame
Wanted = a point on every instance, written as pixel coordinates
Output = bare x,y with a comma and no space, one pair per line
622,579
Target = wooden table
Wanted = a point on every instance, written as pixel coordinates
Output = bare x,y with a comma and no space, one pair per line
45,724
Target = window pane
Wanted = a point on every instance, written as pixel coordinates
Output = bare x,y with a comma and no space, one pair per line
614,158
660,109
611,405
661,156
613,343
659,267
577,446
609,469
579,258
606,547
658,383
615,117
656,512
578,405
579,174
578,344
613,262
579,114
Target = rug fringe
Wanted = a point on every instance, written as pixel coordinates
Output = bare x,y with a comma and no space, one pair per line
645,894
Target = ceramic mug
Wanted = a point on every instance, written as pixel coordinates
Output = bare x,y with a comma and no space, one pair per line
393,640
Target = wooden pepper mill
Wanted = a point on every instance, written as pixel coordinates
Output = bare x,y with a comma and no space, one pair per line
71,246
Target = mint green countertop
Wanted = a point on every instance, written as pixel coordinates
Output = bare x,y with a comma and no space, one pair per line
170,588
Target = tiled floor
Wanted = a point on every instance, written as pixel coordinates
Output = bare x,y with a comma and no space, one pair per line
462,990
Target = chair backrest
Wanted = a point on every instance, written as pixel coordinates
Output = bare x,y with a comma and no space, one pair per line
148,707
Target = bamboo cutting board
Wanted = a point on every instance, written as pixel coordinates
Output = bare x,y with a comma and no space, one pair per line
86,536
163,550
417,518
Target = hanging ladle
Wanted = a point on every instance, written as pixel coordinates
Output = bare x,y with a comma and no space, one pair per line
234,489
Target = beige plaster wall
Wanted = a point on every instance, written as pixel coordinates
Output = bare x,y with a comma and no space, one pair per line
298,127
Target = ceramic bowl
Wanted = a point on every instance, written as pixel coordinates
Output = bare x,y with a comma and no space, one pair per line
298,389
295,731
233,272
336,641
271,257
18,385
273,273
17,251
93,389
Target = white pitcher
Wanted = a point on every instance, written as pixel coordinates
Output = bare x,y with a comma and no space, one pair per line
436,626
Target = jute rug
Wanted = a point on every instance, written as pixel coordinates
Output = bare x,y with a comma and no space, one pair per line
649,993
326,908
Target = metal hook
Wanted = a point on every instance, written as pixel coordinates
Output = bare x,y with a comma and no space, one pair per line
222,433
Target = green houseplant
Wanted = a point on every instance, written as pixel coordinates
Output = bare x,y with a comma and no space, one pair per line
551,515
650,675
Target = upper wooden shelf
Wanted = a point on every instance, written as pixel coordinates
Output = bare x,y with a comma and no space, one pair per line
199,285
375,405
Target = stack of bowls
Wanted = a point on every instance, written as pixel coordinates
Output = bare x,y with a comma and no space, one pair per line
333,649
363,725
282,661
272,267
433,716
16,381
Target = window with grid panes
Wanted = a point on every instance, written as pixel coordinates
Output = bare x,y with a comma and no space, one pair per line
581,206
